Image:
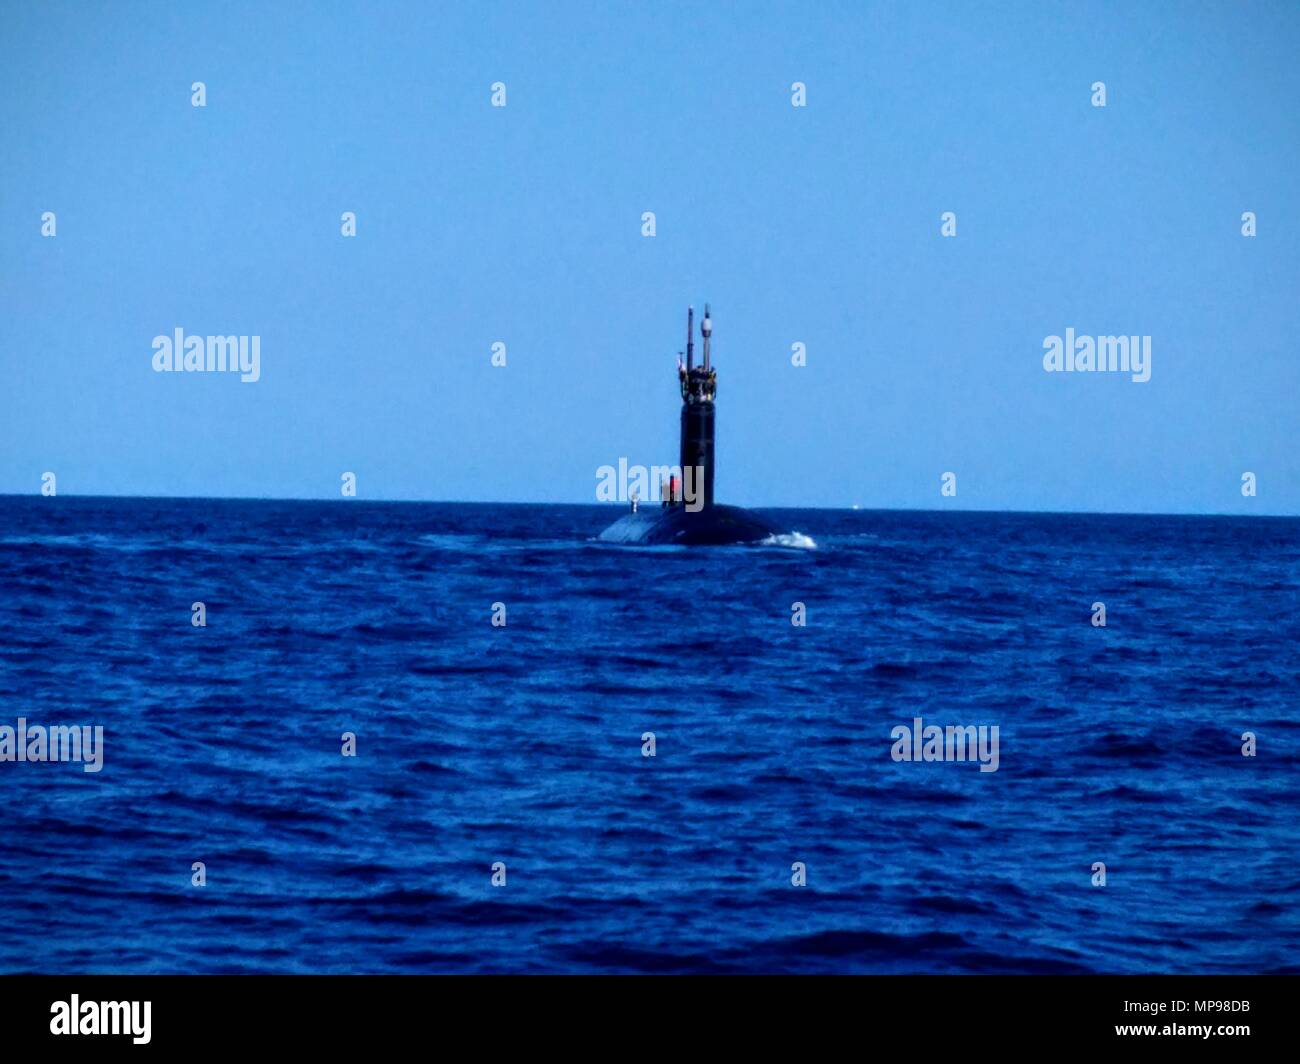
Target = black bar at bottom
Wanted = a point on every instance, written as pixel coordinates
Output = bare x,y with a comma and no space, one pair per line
616,1014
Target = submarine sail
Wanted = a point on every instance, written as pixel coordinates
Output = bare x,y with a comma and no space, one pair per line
699,387
688,514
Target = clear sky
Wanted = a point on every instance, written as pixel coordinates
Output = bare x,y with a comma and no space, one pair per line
522,224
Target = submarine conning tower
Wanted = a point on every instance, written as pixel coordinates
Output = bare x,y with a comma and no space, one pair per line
699,387
689,516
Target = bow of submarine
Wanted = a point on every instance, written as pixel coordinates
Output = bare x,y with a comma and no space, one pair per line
711,526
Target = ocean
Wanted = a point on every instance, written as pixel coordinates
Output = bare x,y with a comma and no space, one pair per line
522,744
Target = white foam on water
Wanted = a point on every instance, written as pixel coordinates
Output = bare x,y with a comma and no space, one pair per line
795,540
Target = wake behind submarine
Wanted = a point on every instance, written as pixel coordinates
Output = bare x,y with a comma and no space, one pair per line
687,514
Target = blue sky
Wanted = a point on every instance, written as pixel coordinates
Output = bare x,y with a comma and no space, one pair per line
522,224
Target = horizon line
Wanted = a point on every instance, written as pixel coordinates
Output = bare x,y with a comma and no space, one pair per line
353,500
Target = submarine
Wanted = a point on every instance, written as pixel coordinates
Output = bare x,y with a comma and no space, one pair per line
687,514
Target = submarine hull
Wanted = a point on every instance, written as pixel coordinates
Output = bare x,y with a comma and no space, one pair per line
676,525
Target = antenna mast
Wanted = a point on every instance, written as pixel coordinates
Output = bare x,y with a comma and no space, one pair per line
690,339
706,327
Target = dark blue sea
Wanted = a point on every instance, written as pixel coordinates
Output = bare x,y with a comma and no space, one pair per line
522,743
